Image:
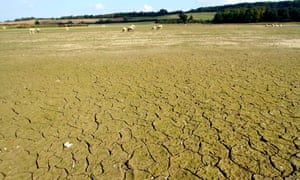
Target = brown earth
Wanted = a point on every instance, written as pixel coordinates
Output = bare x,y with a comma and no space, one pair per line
193,102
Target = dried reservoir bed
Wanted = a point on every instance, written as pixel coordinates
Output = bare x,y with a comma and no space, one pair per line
184,102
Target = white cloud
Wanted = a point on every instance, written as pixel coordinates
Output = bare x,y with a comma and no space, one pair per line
238,1
147,8
99,6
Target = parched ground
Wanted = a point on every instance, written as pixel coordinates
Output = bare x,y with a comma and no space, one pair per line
186,102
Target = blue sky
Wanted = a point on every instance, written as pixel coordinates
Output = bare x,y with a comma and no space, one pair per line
12,9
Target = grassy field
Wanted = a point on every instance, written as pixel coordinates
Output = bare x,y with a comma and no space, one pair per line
196,16
184,102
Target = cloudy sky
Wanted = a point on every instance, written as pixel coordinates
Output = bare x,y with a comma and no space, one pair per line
12,9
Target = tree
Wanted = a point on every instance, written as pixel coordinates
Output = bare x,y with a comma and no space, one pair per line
218,18
270,15
37,22
284,14
183,17
295,14
191,18
162,12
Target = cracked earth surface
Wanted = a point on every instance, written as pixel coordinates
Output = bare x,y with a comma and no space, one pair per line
182,103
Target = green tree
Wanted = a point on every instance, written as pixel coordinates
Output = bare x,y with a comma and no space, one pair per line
191,18
37,22
218,17
162,12
284,14
183,17
270,15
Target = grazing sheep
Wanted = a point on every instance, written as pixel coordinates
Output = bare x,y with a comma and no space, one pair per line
31,30
157,27
131,28
124,29
4,27
273,25
67,28
268,25
34,30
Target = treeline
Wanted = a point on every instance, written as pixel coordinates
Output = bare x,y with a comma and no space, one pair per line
238,13
125,15
260,12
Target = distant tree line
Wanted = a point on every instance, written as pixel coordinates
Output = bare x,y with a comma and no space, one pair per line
246,5
237,13
161,12
260,12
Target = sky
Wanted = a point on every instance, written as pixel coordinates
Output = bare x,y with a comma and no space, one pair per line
13,9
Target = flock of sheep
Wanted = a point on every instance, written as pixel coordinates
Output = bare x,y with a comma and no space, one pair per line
34,30
273,25
129,28
157,27
132,28
124,29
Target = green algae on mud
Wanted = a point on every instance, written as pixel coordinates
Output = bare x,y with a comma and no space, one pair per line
195,101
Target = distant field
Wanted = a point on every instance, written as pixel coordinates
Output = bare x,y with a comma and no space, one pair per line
203,16
197,16
185,102
50,22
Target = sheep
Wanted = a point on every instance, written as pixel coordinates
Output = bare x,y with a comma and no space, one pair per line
131,28
124,29
157,27
273,25
34,30
31,30
268,25
4,27
67,28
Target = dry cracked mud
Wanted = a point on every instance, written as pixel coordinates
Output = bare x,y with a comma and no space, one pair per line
193,102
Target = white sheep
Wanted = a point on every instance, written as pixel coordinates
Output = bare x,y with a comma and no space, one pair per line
160,26
131,28
67,28
124,29
31,30
4,27
268,25
34,30
157,27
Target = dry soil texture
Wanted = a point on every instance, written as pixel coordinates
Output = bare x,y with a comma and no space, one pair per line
185,102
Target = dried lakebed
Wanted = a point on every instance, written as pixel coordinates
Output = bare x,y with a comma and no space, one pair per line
191,102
